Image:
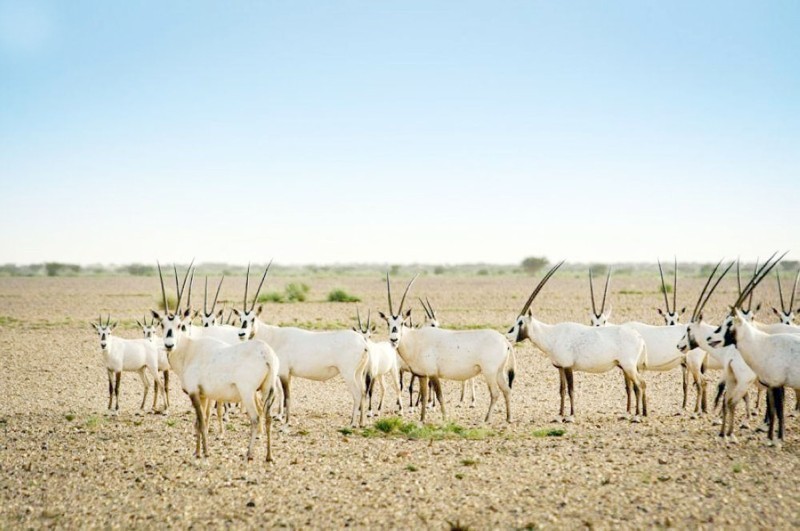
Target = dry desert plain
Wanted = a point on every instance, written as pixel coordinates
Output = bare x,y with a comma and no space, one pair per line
65,463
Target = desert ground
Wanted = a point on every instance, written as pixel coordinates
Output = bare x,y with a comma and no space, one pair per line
65,463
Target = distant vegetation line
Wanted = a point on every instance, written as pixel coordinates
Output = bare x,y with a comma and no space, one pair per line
529,266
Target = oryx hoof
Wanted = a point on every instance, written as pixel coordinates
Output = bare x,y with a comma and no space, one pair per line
570,419
732,439
716,422
636,419
764,428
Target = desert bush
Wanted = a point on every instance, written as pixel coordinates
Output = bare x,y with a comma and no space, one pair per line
57,269
297,292
340,295
534,264
271,296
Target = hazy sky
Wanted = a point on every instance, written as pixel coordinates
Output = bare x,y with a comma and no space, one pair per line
398,131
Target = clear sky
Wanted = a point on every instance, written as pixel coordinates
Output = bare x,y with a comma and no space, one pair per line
398,131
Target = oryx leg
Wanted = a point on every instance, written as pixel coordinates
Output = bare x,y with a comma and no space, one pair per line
397,386
562,388
286,383
117,378
685,375
382,383
199,425
249,403
423,392
502,383
110,388
145,384
568,374
494,392
780,394
166,388
437,388
269,397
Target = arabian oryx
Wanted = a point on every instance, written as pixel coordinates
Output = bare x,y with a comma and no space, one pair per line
774,358
128,355
383,363
309,354
210,369
150,331
433,353
661,342
578,347
737,377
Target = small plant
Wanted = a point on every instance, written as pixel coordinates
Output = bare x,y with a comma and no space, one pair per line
171,300
93,422
411,468
346,431
483,272
70,417
549,432
469,462
389,424
271,296
459,476
340,295
171,422
737,468
439,270
666,288
297,292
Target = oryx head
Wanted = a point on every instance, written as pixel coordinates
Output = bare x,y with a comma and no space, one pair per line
208,317
104,330
431,321
726,333
364,330
601,318
748,312
173,323
689,340
671,316
148,329
247,317
786,314
396,321
520,329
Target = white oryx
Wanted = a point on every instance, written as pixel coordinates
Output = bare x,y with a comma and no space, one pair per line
209,328
383,363
662,351
150,331
128,355
774,358
210,369
786,313
737,377
434,354
578,347
309,354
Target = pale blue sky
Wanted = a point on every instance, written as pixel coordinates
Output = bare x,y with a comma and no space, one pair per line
364,131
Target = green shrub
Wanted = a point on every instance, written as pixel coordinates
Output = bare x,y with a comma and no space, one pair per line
297,292
171,300
271,296
340,295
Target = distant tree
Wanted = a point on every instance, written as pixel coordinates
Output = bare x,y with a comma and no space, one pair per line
598,269
139,270
439,270
534,264
54,269
395,269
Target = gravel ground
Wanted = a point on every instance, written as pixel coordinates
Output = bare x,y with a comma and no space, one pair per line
65,463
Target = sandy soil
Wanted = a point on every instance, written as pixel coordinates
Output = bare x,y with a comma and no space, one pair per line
65,463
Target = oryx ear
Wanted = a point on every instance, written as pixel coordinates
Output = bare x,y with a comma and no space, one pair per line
114,325
383,317
776,312
660,312
94,325
355,329
259,309
196,313
236,312
700,317
683,310
219,313
373,328
530,312
758,308
155,315
407,315
187,313
142,326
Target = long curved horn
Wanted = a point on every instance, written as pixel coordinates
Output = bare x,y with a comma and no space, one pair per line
757,278
675,287
663,286
369,318
750,301
427,312
794,289
708,295
205,297
358,316
605,292
108,320
216,295
403,299
183,287
246,285
738,277
780,290
591,292
540,286
389,294
163,291
702,293
263,277
433,312
189,296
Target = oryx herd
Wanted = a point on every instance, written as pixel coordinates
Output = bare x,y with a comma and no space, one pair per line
252,363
